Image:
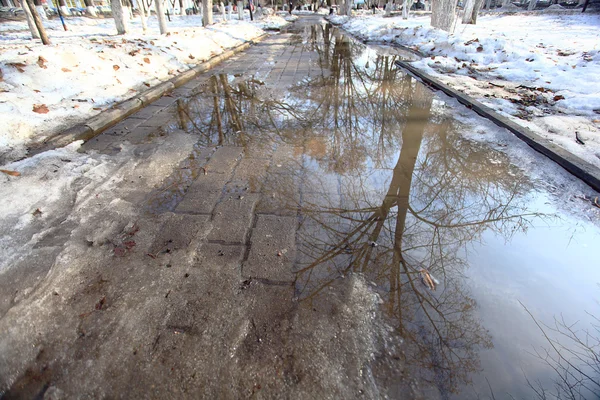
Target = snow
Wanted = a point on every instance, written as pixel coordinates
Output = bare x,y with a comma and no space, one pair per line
556,58
274,22
88,68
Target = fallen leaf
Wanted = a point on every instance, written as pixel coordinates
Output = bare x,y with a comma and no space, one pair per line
96,108
118,81
559,97
37,212
11,173
1,76
65,70
191,57
147,84
146,60
42,62
18,66
116,67
40,109
35,90
479,49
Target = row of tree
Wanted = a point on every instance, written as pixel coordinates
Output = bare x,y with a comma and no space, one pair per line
121,10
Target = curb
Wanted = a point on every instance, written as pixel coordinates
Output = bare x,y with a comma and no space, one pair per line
97,124
583,170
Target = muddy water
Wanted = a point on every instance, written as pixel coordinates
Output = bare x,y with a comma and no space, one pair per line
465,245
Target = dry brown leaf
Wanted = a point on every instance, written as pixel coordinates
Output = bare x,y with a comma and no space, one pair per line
35,90
40,109
42,62
146,60
11,173
559,97
116,67
1,76
65,70
191,57
479,49
18,66
426,277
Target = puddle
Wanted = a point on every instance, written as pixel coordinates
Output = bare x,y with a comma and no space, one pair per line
454,236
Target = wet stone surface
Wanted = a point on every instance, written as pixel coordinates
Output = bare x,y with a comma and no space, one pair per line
305,221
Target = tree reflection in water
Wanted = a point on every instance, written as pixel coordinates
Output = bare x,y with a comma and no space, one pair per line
389,189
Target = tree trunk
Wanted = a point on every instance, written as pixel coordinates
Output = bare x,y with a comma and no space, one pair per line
41,10
160,14
406,5
223,14
89,6
63,7
30,22
388,8
142,9
349,7
207,13
38,22
476,8
120,14
532,4
443,14
470,16
240,8
181,8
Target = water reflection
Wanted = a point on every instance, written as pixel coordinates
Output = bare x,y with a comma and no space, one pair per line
384,184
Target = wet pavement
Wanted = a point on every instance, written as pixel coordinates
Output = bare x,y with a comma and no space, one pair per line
327,227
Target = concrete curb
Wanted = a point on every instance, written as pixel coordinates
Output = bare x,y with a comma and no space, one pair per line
585,171
118,112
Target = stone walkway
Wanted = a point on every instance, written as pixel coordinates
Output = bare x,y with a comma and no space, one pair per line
184,287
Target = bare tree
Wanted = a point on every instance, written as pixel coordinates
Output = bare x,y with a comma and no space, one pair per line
90,9
38,23
472,8
30,22
121,15
160,14
443,14
207,12
573,356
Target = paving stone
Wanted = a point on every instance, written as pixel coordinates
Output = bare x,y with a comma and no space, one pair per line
141,134
272,249
124,127
280,195
178,232
203,194
224,159
249,176
220,258
233,217
149,111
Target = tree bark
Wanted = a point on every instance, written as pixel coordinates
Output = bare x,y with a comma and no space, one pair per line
142,9
120,14
240,7
38,23
406,5
63,7
532,4
89,6
160,14
207,13
30,22
470,16
443,14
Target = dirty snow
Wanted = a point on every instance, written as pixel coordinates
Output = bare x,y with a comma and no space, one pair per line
89,68
541,70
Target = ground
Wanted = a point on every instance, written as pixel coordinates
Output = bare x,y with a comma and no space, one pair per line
542,70
276,228
87,69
